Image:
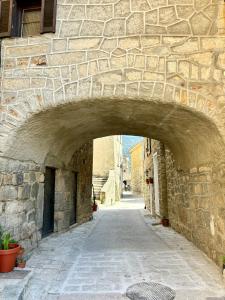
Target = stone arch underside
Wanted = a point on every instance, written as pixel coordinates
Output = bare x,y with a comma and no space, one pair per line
59,131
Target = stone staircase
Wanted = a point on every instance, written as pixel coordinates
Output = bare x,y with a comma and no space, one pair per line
98,183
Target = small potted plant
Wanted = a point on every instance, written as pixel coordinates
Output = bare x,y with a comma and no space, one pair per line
21,262
95,206
165,222
13,244
223,261
7,255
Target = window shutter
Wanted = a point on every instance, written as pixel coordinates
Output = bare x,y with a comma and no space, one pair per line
48,21
6,8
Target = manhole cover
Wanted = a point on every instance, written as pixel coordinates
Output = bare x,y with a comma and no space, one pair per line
150,291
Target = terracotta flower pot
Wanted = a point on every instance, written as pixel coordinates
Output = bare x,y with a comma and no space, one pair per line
165,222
13,245
8,259
95,207
21,265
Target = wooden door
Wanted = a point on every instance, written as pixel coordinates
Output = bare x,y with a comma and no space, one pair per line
156,183
73,214
49,202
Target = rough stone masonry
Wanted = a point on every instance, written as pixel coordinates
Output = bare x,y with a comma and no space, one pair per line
149,67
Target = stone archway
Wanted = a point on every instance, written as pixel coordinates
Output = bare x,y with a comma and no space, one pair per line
61,137
136,67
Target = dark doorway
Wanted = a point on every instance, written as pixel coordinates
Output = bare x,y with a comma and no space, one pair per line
49,201
73,214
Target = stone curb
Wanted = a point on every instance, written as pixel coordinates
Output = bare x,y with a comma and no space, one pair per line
16,291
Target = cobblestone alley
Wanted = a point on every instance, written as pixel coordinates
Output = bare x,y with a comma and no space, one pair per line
102,258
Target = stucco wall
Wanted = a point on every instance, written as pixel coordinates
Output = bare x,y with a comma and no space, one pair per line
137,168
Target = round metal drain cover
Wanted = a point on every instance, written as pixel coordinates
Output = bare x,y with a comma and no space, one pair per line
150,291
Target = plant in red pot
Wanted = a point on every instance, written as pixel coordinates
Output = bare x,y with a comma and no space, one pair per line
95,206
7,255
21,262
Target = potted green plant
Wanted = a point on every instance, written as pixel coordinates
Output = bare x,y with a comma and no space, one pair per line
165,222
21,262
223,261
7,255
13,243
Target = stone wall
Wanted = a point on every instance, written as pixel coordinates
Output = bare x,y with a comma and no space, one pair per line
82,164
22,196
156,147
21,200
195,204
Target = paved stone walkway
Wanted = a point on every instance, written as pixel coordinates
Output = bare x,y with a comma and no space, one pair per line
100,259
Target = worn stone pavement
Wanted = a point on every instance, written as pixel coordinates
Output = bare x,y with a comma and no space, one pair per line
100,259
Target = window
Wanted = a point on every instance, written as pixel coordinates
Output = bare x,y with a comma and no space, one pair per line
31,18
27,17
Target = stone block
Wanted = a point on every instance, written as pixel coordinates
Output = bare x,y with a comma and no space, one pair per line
133,75
24,192
152,63
167,15
189,46
109,77
109,44
154,29
221,61
153,76
122,8
30,50
78,12
16,83
8,192
200,24
84,43
71,90
141,5
92,28
129,42
70,28
200,4
132,89
99,12
184,11
139,62
115,27
146,89
135,24
204,58
149,41
59,45
103,65
65,59
118,62
63,11
40,61
151,17
181,27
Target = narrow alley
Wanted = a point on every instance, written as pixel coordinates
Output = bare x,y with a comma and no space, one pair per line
119,247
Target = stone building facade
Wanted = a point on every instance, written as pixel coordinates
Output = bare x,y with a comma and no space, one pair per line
155,178
137,168
107,168
22,195
147,68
